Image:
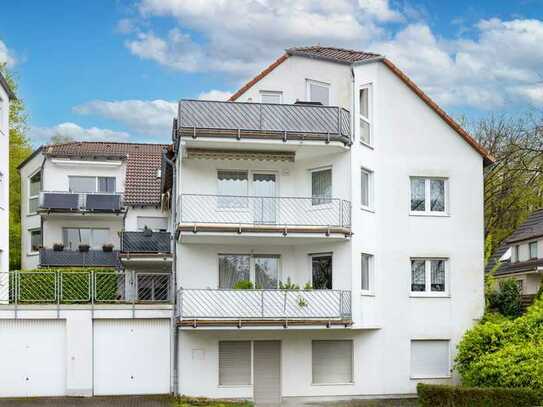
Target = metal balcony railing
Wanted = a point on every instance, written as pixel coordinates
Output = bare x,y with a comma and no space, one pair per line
263,120
84,287
78,201
76,258
209,304
145,242
271,211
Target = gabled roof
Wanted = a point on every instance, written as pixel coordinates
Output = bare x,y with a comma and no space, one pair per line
352,57
531,228
142,185
5,85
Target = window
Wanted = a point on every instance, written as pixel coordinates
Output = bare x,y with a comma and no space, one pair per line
321,271
520,285
429,276
155,223
321,186
271,97
232,189
428,195
318,92
234,363
261,269
533,250
95,238
366,188
364,116
34,192
91,184
516,253
35,240
367,273
332,362
430,359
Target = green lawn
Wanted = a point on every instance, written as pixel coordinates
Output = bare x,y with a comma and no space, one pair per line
200,401
197,401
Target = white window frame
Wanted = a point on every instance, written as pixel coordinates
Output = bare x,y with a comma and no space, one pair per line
33,196
252,266
309,82
271,93
96,181
324,205
427,196
369,119
516,253
30,251
449,357
530,244
370,207
371,275
428,278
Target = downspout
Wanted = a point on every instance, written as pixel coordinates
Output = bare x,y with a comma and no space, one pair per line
42,167
174,382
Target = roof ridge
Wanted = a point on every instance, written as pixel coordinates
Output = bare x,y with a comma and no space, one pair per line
331,47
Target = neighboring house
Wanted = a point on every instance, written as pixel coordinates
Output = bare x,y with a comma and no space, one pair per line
330,168
5,96
520,256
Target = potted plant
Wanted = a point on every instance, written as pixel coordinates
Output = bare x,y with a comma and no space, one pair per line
244,285
58,247
147,232
108,247
83,247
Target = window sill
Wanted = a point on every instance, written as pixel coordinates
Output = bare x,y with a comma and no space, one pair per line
367,294
367,209
430,377
362,143
427,295
32,254
429,214
333,384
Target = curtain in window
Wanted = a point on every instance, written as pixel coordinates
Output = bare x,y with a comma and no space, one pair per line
233,184
365,272
322,272
266,271
233,268
321,186
437,195
95,238
437,275
365,188
418,275
106,184
417,194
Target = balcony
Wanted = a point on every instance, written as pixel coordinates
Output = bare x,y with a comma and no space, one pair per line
261,121
80,202
84,287
75,258
145,246
253,214
208,307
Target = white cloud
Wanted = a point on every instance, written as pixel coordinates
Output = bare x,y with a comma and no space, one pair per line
42,135
6,55
215,94
380,9
152,118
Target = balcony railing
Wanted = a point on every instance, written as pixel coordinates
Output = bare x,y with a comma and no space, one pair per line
83,287
76,258
281,212
263,305
74,201
145,242
262,120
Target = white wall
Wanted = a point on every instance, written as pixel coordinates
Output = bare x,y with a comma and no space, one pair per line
131,218
53,227
4,173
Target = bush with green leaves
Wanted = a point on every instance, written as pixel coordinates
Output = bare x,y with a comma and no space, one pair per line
505,298
455,396
244,285
500,352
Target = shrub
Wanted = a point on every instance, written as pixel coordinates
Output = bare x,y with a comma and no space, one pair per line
500,352
454,396
506,298
288,285
244,285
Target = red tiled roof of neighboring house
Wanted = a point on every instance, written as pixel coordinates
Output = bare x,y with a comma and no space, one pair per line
142,183
347,56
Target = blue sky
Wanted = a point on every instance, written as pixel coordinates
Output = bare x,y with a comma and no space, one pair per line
112,70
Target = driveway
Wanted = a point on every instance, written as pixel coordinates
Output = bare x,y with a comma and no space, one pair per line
130,401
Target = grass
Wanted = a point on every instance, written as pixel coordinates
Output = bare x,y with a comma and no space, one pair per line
184,401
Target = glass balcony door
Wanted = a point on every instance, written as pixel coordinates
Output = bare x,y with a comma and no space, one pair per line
264,201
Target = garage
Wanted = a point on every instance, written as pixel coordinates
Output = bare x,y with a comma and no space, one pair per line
33,358
131,356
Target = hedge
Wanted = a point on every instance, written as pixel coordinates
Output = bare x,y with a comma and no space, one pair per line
456,396
41,285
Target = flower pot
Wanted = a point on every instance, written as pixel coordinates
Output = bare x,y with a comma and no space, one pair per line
84,247
58,247
107,248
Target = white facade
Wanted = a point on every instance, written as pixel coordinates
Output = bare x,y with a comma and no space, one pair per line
4,178
396,332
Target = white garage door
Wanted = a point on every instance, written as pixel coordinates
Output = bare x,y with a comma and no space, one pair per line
32,358
131,356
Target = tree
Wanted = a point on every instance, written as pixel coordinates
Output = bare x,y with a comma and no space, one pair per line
19,149
61,139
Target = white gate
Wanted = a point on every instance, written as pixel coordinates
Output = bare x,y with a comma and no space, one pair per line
32,358
131,356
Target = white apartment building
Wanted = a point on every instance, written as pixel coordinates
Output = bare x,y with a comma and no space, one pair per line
5,96
327,236
329,169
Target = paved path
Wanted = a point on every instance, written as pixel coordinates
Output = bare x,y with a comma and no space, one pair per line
132,401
